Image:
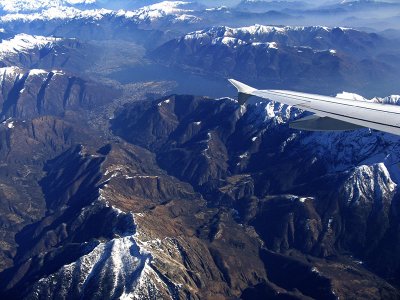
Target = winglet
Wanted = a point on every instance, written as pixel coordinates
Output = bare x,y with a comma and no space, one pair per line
244,91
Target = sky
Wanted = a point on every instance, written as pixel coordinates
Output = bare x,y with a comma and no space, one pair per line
234,2
316,2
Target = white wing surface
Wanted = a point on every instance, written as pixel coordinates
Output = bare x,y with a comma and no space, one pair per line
330,113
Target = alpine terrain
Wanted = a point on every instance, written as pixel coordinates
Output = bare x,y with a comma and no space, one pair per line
129,171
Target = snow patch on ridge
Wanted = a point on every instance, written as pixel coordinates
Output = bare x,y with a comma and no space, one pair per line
37,72
23,43
16,6
107,267
116,268
255,35
60,11
350,96
162,9
371,183
393,99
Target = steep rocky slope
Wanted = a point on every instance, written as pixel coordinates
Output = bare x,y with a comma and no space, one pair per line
330,205
48,52
40,119
248,202
29,93
154,249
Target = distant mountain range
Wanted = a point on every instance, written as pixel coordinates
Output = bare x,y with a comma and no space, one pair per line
25,6
299,58
264,6
245,13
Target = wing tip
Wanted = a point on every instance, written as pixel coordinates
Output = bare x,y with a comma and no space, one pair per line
244,91
241,87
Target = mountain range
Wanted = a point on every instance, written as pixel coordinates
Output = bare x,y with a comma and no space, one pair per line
114,186
374,15
299,58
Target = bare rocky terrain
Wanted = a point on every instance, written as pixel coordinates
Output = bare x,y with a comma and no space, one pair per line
114,186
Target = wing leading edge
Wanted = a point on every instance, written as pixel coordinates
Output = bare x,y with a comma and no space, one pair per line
331,114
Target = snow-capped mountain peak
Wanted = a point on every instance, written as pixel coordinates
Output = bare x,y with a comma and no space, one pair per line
254,34
23,43
160,10
61,10
57,13
373,180
16,6
392,99
350,96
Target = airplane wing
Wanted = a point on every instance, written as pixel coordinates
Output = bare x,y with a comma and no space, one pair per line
330,113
